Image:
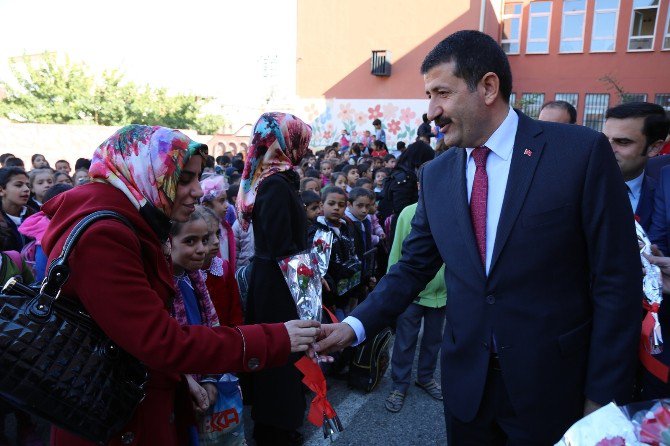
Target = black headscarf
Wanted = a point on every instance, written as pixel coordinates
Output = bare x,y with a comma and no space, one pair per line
415,155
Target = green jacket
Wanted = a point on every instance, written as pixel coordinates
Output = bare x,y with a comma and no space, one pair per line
9,269
435,293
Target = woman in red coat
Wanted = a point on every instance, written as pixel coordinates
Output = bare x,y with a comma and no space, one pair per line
123,278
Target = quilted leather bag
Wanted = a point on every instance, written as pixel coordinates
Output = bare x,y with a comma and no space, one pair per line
56,363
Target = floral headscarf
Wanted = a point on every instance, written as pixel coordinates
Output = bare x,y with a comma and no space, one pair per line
144,163
278,143
212,187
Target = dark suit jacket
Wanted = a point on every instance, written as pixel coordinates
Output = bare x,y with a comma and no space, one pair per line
660,224
655,164
645,205
563,295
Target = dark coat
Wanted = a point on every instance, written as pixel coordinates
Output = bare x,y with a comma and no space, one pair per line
563,293
124,280
280,229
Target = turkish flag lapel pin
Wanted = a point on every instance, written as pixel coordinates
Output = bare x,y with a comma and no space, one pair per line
528,152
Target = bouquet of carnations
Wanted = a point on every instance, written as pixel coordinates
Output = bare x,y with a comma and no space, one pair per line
322,245
651,420
302,273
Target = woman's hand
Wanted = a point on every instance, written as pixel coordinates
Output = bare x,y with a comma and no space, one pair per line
199,396
663,263
302,334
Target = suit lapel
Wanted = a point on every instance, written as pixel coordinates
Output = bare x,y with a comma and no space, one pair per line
526,154
645,204
458,184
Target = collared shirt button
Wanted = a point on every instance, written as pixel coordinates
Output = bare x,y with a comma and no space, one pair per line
127,438
254,363
490,299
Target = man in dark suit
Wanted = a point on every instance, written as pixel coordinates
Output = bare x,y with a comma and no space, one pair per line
542,265
636,131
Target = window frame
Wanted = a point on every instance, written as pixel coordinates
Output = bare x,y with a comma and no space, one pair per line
556,98
659,96
616,27
630,29
540,96
585,114
530,25
666,32
512,16
573,39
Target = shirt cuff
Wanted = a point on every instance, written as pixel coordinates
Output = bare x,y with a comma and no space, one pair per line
358,329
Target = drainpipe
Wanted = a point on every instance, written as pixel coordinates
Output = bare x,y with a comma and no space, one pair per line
482,12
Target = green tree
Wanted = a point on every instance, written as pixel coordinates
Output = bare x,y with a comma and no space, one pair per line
48,92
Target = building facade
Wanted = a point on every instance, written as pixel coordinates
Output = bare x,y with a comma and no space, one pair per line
357,61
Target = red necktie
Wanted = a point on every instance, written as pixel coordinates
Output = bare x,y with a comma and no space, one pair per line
480,191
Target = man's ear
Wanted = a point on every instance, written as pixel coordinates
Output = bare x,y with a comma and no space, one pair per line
491,85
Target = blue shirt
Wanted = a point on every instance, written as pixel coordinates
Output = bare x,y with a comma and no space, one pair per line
634,187
498,163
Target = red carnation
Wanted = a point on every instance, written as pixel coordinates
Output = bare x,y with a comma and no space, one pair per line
306,271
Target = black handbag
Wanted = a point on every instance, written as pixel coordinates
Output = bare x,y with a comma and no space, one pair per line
57,364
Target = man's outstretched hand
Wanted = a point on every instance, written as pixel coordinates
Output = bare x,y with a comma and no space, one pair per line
334,337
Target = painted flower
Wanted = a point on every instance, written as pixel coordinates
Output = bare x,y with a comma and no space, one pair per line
390,110
312,112
375,112
346,112
418,122
393,127
330,127
406,115
360,119
327,135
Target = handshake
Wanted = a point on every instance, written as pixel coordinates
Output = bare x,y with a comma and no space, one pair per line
314,338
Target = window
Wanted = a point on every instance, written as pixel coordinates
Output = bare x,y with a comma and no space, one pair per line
572,29
595,106
380,63
633,97
643,25
538,28
512,99
664,101
605,17
666,37
511,28
531,103
570,98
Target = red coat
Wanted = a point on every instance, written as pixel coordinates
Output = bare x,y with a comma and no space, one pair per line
125,282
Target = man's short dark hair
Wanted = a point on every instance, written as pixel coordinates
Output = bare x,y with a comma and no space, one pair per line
474,54
358,192
656,122
572,111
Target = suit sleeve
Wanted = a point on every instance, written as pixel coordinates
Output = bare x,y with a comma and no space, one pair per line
419,263
658,231
119,297
614,261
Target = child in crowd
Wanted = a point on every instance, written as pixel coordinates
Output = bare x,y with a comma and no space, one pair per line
379,149
343,265
38,161
365,170
377,230
380,175
63,166
352,175
364,183
192,304
377,163
380,134
81,176
14,162
390,161
40,181
339,179
62,178
309,183
359,201
312,202
34,227
326,168
14,193
214,197
224,293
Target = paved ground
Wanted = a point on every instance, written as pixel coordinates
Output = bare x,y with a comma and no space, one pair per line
366,421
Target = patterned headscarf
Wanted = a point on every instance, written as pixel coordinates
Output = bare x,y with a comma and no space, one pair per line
212,187
144,163
278,143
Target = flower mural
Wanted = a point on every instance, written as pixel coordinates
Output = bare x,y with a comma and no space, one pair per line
400,118
375,112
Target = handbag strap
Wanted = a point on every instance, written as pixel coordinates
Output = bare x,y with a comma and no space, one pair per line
59,271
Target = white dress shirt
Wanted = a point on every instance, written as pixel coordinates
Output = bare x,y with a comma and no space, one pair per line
498,163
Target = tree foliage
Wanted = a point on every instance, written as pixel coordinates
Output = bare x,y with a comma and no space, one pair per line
67,93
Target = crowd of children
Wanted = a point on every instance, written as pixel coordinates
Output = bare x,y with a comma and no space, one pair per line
340,190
